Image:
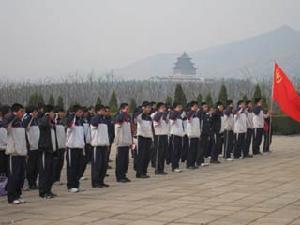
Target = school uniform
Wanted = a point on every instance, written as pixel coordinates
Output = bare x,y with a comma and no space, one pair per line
249,134
185,141
216,137
161,131
75,146
267,135
258,129
3,145
144,139
205,138
100,144
59,157
87,153
17,151
240,130
228,124
111,134
177,134
32,164
123,141
47,147
193,131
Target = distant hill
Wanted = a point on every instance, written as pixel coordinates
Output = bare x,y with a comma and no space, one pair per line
252,58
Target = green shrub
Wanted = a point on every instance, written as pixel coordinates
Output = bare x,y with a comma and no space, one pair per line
284,125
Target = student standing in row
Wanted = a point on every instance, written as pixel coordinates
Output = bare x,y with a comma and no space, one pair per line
193,133
228,130
17,152
4,110
249,134
206,134
75,144
144,140
177,134
240,130
31,124
47,147
161,130
100,144
59,157
123,141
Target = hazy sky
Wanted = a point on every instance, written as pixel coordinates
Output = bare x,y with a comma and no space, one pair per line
41,38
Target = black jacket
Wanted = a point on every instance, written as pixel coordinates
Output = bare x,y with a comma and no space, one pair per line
45,140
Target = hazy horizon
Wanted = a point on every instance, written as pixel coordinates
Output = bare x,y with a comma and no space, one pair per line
53,38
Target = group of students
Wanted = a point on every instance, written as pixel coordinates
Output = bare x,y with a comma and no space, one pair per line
35,142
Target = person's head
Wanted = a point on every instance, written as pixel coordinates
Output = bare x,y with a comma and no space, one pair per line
100,109
32,110
161,107
205,107
259,101
77,110
49,111
124,107
107,111
18,110
4,109
177,107
40,107
153,105
60,112
241,104
220,106
85,112
229,103
194,106
249,104
146,107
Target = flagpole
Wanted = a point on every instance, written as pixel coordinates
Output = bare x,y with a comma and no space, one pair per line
271,108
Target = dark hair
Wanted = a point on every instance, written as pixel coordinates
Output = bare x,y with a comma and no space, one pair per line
229,102
203,103
175,104
219,103
4,109
99,107
152,103
106,107
256,100
48,108
160,104
123,105
249,101
58,109
30,109
75,108
40,105
146,103
240,102
16,107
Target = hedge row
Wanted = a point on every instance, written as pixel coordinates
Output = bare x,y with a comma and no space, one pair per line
284,125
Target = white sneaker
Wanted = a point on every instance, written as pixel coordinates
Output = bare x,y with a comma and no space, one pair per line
229,159
74,190
16,202
83,178
204,164
22,200
177,170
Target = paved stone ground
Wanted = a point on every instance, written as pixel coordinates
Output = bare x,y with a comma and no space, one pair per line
264,190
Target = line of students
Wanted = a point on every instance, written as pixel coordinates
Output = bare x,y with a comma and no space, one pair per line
35,142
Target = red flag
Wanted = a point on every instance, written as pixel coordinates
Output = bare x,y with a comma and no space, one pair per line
285,94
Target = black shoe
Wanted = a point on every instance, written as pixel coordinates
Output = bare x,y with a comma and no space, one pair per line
191,167
215,161
105,185
161,173
122,180
46,196
52,194
248,156
33,187
127,179
142,176
98,186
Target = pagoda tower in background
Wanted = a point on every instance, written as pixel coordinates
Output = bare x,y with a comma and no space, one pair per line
184,66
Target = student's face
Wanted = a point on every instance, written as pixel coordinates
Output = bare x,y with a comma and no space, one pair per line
242,105
260,103
250,105
79,113
221,108
51,114
20,114
61,114
195,108
162,108
34,113
205,108
178,108
126,109
147,109
107,112
102,112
